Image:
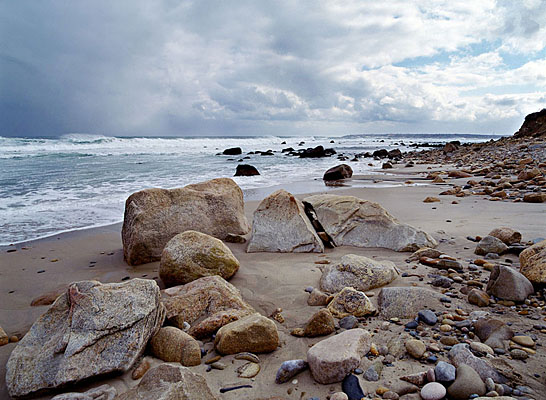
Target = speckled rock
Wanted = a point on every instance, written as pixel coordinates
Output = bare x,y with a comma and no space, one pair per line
289,369
352,221
174,345
71,336
155,216
320,324
533,262
331,359
360,273
406,302
351,302
169,382
103,392
468,382
490,244
508,284
433,391
206,304
254,333
507,235
280,225
192,255
415,348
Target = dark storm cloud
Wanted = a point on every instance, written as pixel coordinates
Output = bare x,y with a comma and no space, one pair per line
220,67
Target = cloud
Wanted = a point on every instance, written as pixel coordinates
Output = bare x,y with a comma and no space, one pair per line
167,67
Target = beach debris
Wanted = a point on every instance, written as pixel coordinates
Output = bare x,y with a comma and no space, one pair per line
355,222
248,370
230,388
247,356
192,255
254,333
71,336
155,216
284,215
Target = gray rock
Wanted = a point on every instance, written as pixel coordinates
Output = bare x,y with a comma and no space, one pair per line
328,364
348,322
444,372
358,272
170,382
155,216
433,391
67,343
490,244
406,302
289,369
492,332
104,392
355,222
460,354
428,317
507,235
373,373
468,382
281,225
508,284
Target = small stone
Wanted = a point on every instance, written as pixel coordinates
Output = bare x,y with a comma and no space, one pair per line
415,348
431,376
289,369
449,340
4,339
381,390
351,387
348,322
418,379
445,328
373,373
390,395
318,298
320,324
433,391
248,370
478,297
444,372
218,365
524,341
339,396
412,324
481,348
518,354
141,369
428,317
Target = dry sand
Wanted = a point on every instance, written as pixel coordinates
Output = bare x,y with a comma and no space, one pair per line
270,280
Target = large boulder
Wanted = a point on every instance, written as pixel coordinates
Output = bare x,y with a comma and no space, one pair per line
254,333
155,216
246,170
281,225
192,255
355,222
92,329
341,171
358,272
170,382
206,304
533,262
331,359
508,284
406,302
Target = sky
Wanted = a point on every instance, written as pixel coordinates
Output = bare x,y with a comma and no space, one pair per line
190,68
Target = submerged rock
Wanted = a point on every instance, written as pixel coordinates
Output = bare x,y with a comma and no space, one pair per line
355,222
67,343
358,272
155,216
280,225
246,170
339,172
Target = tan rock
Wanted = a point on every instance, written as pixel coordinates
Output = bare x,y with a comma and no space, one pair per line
170,382
206,304
4,338
174,345
331,359
320,324
141,369
155,216
281,225
506,235
355,222
318,298
358,272
351,302
431,199
254,333
425,252
192,255
415,348
533,262
478,297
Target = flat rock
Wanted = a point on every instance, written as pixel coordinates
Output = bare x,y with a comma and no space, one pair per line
358,272
490,244
425,252
289,369
254,333
155,216
507,235
355,222
170,382
70,338
192,255
281,225
331,359
406,302
351,302
103,392
174,345
460,354
206,304
506,283
468,382
533,262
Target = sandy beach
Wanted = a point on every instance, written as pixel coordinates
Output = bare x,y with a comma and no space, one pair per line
270,280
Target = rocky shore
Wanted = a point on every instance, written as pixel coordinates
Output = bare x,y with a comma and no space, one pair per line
428,290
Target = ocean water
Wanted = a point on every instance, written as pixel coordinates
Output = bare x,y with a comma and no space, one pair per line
52,185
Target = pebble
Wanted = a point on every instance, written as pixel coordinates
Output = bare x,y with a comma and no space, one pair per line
390,395
445,328
348,322
142,368
445,372
412,324
482,348
373,373
415,348
524,341
218,365
449,340
428,317
433,391
351,387
339,396
518,354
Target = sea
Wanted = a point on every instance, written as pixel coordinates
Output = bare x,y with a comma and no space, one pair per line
79,181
